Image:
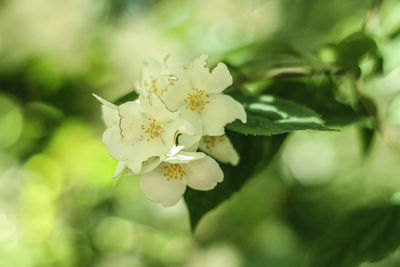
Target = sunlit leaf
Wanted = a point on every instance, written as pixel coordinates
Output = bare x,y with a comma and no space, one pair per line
268,115
318,96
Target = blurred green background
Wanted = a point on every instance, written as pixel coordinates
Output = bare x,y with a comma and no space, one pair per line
59,205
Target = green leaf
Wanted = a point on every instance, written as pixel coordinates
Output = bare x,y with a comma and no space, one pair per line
319,96
354,47
364,235
255,153
125,98
268,115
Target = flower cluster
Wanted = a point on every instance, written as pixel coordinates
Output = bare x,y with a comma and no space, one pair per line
179,110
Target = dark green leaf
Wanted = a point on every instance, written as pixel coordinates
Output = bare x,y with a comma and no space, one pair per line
367,138
309,210
255,153
268,115
364,235
354,47
351,50
125,98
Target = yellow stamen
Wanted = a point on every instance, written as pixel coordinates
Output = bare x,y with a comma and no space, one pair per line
210,141
173,171
150,86
197,100
152,130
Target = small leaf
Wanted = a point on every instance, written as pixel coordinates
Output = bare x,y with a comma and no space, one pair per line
268,115
131,96
255,153
354,47
364,235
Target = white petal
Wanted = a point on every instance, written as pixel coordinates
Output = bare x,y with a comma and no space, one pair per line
175,96
113,141
131,122
150,164
158,189
178,83
152,82
203,174
143,151
221,110
175,150
105,102
189,142
120,168
155,108
212,82
194,118
110,116
184,157
172,129
152,68
220,148
173,63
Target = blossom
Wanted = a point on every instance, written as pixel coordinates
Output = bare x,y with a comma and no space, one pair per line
179,110
195,92
220,148
139,131
167,183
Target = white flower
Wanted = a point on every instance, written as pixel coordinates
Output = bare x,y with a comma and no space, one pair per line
167,183
139,131
178,111
196,92
220,148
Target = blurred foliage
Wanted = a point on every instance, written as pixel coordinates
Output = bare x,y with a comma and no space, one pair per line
309,198
364,235
255,151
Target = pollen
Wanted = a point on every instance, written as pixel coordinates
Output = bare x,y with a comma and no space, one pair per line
154,87
210,141
150,86
173,171
196,100
152,129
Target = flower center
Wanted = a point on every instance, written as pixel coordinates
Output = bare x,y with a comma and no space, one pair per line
197,100
152,129
173,171
210,141
152,87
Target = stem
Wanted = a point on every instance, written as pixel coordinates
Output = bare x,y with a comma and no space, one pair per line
372,11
